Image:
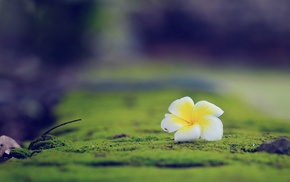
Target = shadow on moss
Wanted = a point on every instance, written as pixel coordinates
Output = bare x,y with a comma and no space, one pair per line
106,164
190,165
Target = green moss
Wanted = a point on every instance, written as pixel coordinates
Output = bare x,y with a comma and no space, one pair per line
45,142
118,141
21,153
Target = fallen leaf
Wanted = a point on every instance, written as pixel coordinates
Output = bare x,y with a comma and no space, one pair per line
6,144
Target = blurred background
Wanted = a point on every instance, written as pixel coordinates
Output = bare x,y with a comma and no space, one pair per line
46,48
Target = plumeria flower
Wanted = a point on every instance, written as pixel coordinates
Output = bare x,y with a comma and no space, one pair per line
191,121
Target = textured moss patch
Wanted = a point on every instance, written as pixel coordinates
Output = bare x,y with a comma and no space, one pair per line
22,153
122,140
45,142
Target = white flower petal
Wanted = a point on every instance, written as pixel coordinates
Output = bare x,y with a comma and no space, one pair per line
188,133
206,108
172,123
183,108
211,128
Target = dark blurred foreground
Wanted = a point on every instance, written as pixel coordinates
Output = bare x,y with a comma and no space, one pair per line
43,44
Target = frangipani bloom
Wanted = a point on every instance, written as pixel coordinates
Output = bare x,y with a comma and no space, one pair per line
191,121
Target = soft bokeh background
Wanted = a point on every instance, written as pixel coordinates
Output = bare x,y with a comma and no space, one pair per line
50,47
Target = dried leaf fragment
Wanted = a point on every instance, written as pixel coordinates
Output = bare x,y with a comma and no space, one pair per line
6,145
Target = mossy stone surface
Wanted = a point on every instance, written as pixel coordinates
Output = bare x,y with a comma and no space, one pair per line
120,139
117,141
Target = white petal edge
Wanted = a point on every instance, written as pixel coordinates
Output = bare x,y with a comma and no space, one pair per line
213,130
182,108
188,133
217,111
172,123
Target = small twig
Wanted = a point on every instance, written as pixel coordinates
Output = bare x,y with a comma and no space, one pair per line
60,126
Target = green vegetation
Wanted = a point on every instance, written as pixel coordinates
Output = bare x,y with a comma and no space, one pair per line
120,139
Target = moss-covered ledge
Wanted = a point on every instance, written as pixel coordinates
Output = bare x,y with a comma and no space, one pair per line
120,138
